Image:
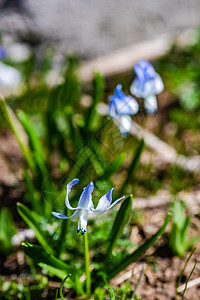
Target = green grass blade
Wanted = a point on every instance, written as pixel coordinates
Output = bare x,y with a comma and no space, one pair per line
32,222
113,167
139,251
189,279
133,165
111,293
119,223
61,287
56,296
34,139
184,232
182,272
32,195
18,131
46,260
98,93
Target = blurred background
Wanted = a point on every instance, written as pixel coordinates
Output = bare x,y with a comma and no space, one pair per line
92,28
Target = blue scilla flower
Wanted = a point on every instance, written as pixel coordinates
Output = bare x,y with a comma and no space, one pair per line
121,107
85,205
147,85
3,53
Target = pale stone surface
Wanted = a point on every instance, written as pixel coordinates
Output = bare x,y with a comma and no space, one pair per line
95,27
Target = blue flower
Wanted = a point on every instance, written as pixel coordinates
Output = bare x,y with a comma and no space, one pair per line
85,205
121,107
3,53
146,85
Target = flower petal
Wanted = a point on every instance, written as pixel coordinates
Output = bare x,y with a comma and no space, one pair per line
104,203
150,104
125,124
115,202
85,201
147,81
69,187
60,216
144,71
82,222
112,108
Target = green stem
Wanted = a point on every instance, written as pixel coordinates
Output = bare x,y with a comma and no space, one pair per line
87,264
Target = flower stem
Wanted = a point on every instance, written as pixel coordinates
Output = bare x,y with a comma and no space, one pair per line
87,264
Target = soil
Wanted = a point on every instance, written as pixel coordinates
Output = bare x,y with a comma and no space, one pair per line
161,269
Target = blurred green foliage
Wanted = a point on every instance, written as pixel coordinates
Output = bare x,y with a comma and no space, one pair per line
179,240
7,231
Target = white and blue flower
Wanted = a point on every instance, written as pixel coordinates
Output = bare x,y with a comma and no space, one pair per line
147,85
85,205
121,107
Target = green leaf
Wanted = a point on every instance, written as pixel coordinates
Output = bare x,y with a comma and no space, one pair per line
93,115
182,272
32,193
196,261
18,131
31,219
133,165
113,167
119,223
61,287
46,261
30,130
7,231
111,293
139,251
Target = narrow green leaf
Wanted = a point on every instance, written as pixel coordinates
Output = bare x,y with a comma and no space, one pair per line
93,115
32,222
111,293
32,192
121,219
56,296
46,260
189,279
113,167
18,131
184,232
182,272
139,251
133,165
34,139
81,159
61,287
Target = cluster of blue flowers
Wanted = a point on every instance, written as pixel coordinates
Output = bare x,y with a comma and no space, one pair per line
147,84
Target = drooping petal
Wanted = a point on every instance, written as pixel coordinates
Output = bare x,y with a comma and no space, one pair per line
150,104
85,201
60,216
69,187
112,108
104,203
125,124
115,202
